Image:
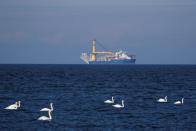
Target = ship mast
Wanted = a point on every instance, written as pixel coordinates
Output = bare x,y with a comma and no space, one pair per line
94,57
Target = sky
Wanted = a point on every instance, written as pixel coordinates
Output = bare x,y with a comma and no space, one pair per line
58,31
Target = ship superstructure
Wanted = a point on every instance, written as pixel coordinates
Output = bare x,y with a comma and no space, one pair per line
107,57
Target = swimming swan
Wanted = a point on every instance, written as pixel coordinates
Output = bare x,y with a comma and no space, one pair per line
109,101
45,118
162,100
47,109
179,102
119,106
13,106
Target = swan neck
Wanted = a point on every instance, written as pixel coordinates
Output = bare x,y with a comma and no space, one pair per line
123,104
112,99
51,106
18,103
182,100
49,113
166,98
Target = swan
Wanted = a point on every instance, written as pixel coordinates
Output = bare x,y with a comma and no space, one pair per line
45,118
109,101
179,102
13,106
47,109
162,100
119,106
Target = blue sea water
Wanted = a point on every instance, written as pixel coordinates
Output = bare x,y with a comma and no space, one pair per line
78,93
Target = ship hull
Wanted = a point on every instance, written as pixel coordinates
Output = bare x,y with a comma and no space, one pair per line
117,62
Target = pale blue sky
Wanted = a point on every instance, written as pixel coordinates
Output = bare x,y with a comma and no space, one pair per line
57,31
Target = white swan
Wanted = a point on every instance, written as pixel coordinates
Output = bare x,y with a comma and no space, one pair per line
119,106
45,118
162,100
109,101
47,109
13,106
179,102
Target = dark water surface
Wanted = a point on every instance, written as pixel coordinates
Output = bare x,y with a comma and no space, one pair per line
78,92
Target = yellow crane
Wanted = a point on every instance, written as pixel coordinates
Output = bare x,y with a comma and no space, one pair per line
94,52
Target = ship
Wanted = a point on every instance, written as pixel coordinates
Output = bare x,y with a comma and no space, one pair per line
107,57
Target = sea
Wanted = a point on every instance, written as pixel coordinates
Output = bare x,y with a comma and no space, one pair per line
78,93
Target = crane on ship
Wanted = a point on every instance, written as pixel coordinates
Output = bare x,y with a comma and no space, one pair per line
95,52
